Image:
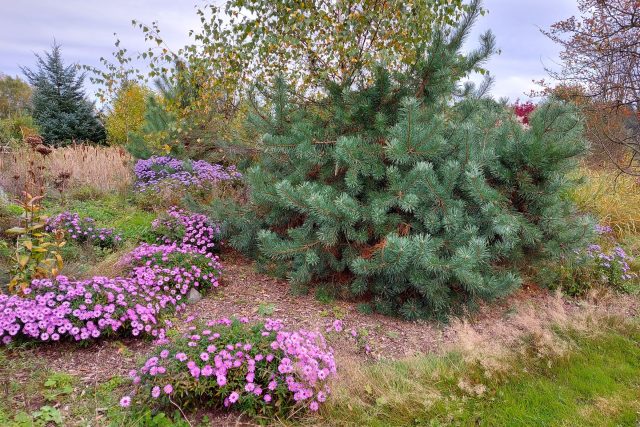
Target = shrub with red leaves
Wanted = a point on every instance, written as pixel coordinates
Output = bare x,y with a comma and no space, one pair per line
522,111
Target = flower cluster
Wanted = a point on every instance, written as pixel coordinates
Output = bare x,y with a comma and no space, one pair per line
191,230
172,172
83,230
604,263
83,309
612,265
91,308
257,369
159,280
603,229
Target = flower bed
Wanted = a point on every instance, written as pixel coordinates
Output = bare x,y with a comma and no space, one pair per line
259,369
83,230
159,279
85,309
172,172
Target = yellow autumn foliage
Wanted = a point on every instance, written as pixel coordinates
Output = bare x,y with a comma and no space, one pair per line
127,114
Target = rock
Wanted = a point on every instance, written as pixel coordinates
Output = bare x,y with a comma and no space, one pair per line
4,199
194,296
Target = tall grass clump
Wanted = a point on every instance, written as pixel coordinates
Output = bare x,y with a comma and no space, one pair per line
102,168
613,197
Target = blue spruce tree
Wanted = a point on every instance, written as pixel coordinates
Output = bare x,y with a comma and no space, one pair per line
60,107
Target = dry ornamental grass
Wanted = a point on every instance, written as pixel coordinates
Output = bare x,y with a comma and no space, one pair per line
102,168
614,198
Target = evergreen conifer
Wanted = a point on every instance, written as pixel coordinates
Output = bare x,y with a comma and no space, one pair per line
60,108
410,192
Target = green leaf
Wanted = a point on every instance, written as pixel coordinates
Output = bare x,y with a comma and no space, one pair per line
16,230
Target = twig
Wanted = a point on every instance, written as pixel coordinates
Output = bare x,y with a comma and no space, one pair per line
181,411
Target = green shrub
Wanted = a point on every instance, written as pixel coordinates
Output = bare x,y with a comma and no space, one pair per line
11,129
260,370
400,196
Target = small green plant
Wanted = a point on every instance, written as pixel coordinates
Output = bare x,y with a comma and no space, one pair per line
37,254
160,419
46,416
324,295
365,308
339,312
58,384
266,309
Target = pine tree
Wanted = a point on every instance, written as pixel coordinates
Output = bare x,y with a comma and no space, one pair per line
410,192
60,107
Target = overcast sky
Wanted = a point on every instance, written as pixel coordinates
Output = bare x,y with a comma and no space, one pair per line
85,30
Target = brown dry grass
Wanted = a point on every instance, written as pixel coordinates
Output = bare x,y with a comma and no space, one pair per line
536,323
612,197
102,168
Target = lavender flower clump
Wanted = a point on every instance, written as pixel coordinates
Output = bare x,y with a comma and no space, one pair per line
158,281
603,229
613,265
191,230
172,172
257,369
83,309
83,230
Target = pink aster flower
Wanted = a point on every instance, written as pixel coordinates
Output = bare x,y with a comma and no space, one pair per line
155,392
125,401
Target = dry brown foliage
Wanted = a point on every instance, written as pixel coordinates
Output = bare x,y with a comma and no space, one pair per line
102,168
536,322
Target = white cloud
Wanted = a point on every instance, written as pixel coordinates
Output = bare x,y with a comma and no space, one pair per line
525,51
